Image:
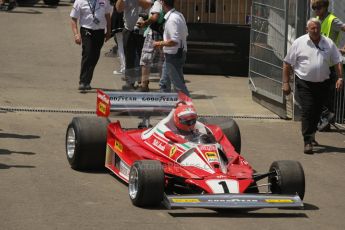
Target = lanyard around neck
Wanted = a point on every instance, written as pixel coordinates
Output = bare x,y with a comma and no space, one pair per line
92,6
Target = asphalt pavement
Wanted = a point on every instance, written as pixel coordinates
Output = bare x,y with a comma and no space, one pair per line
39,68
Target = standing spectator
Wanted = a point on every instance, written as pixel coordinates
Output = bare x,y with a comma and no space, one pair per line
149,55
94,18
133,39
117,28
174,47
331,27
310,57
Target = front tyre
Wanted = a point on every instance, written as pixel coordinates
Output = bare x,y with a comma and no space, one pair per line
288,178
146,183
86,139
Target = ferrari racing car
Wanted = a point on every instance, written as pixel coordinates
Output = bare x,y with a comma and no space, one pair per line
178,162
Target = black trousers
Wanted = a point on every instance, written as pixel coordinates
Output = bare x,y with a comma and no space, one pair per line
92,42
330,103
132,44
312,95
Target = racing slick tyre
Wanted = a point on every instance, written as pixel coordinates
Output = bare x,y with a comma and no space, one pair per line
146,183
229,128
86,140
288,178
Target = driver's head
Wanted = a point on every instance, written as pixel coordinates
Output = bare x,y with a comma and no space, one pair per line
185,116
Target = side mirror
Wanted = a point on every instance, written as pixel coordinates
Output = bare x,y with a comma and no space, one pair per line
174,138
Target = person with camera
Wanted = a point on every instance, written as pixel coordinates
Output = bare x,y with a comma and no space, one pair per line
133,39
149,55
174,47
94,20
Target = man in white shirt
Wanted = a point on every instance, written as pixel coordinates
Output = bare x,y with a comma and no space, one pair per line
174,47
310,57
94,19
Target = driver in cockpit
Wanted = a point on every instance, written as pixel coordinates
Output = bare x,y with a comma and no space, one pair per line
185,117
185,121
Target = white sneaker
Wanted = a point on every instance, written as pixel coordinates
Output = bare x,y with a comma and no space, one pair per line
115,72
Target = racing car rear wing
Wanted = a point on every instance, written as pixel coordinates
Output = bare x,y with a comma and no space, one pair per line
134,103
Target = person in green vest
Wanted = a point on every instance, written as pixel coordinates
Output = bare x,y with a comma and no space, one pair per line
331,27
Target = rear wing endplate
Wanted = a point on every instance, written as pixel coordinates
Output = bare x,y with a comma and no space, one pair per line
135,103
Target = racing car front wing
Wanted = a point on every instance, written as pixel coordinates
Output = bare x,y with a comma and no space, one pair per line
233,201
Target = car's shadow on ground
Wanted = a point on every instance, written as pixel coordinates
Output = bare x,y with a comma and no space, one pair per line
237,214
242,213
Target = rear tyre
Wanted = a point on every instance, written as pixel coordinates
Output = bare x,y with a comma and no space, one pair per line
86,139
146,183
229,128
288,179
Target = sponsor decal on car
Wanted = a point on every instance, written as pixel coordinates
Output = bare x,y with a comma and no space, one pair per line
233,200
211,156
212,148
103,104
124,170
182,200
123,98
160,99
103,97
158,144
102,107
172,151
279,201
118,146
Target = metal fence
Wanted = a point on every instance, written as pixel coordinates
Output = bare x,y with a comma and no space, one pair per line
268,43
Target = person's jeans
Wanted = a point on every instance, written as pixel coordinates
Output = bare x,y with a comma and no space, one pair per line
172,72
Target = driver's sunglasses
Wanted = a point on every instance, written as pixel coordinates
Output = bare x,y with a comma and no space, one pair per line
188,122
317,7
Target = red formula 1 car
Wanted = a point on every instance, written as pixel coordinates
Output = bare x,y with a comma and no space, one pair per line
204,169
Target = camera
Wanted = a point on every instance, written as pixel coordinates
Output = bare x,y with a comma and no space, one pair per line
142,17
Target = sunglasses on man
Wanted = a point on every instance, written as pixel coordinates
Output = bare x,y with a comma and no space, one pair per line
317,7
